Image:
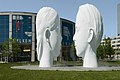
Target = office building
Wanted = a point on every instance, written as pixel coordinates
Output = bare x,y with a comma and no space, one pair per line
22,27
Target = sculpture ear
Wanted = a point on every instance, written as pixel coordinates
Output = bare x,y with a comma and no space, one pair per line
47,34
91,34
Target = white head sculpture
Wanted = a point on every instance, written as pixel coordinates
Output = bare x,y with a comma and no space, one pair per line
48,36
88,34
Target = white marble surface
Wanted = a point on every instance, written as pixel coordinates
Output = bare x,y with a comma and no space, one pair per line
88,34
48,36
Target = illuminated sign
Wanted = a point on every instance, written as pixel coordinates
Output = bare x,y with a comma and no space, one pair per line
24,40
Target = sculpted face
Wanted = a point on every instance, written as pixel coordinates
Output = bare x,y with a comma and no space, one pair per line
80,40
88,34
81,36
81,33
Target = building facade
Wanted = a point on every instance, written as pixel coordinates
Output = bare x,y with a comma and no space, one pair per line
22,27
68,30
115,44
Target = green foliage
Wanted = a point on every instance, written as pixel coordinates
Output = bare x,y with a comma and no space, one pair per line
5,49
100,52
11,48
108,49
105,49
15,47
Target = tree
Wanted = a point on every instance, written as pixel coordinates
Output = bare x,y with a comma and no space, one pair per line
100,52
105,49
11,48
5,51
109,51
15,49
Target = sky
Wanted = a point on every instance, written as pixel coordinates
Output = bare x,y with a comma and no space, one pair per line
68,9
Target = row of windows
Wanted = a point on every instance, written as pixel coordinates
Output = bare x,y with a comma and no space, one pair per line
4,17
116,45
116,38
4,27
115,41
5,22
4,30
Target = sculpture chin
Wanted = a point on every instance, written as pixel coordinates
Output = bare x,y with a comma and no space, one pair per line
79,53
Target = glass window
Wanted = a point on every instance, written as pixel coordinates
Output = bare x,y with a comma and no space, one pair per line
67,33
118,41
113,41
4,28
22,28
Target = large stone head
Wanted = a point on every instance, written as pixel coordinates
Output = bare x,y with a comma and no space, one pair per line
88,29
48,33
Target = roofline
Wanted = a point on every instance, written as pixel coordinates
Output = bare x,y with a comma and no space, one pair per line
17,12
67,20
12,12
